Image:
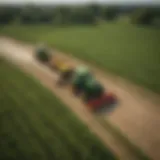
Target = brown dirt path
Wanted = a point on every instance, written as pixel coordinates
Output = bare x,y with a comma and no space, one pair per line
137,115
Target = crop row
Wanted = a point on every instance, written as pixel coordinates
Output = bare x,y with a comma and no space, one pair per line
35,125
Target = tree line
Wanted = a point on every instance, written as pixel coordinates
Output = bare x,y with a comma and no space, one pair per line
65,15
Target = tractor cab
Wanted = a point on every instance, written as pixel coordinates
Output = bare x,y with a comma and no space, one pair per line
42,53
80,76
92,90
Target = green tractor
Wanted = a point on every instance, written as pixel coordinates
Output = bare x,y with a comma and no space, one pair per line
42,53
94,94
92,90
81,74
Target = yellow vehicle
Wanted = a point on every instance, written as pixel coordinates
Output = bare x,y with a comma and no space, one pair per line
66,73
55,63
64,69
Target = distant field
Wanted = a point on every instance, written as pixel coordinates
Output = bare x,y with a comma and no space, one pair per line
34,125
126,50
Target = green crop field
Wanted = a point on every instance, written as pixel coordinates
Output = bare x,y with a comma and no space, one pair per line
129,51
35,125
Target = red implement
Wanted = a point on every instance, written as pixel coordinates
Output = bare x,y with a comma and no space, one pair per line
105,100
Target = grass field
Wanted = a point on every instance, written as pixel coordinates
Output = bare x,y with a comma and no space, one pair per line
126,50
36,125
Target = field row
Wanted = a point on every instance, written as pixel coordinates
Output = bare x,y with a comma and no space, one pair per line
35,125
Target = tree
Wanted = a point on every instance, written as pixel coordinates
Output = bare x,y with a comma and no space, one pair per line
110,13
145,15
7,14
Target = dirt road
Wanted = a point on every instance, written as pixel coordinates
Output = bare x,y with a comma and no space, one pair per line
137,116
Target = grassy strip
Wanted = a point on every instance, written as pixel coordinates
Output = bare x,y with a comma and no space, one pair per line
126,50
36,125
132,147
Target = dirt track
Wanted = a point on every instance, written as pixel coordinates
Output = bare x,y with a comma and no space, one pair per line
137,115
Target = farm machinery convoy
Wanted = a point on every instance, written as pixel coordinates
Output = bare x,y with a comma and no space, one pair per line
80,79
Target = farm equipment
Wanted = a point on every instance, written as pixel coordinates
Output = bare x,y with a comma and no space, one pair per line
66,73
64,69
57,63
42,54
81,74
81,80
93,93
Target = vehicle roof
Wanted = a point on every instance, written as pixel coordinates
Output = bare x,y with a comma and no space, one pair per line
82,70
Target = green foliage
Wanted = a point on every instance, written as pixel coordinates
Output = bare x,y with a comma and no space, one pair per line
93,89
62,15
110,13
139,16
36,125
7,14
67,15
145,15
32,14
95,9
58,15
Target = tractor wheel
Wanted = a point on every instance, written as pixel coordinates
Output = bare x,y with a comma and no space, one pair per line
67,75
110,98
109,103
76,91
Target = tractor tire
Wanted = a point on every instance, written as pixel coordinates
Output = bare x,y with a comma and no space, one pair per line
76,91
67,75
